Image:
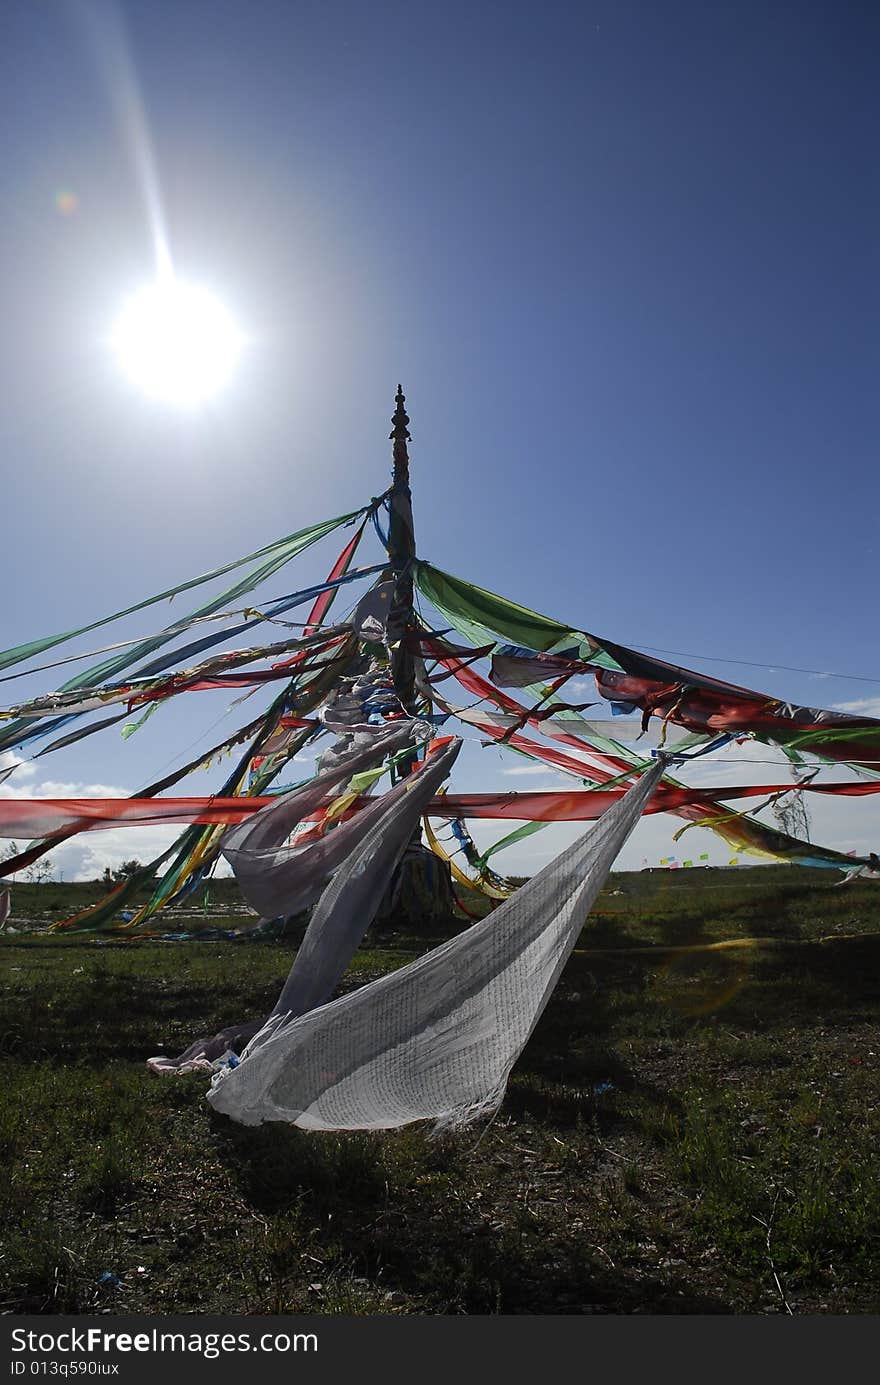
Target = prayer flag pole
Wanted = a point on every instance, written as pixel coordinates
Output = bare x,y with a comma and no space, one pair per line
421,890
401,551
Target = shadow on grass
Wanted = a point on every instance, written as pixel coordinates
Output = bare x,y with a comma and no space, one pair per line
105,1016
400,1210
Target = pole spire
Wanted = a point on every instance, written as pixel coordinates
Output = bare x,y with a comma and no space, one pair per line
400,436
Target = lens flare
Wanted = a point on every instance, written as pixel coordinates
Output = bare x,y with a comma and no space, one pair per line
66,202
701,979
177,343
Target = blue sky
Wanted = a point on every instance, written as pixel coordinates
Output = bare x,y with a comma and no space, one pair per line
623,258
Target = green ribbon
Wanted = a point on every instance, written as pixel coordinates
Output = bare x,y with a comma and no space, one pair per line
275,554
478,614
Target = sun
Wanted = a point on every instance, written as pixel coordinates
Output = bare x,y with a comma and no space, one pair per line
177,343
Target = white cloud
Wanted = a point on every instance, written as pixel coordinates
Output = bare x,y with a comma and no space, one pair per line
72,788
85,857
12,764
862,706
526,769
56,788
579,685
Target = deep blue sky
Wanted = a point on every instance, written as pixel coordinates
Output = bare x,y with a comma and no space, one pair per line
623,257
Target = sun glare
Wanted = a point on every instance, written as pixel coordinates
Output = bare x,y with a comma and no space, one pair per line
177,343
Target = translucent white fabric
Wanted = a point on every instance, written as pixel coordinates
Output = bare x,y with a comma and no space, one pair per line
627,729
351,900
277,879
365,852
436,1040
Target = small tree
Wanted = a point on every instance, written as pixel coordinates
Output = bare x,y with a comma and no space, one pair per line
127,870
792,815
119,874
41,872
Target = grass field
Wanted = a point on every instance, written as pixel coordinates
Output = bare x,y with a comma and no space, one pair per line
688,1130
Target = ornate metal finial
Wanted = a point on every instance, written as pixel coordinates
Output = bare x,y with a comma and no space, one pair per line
400,418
